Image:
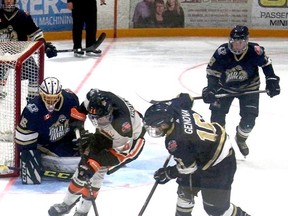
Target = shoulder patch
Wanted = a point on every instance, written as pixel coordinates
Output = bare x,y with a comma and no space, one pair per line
221,51
172,145
258,50
32,108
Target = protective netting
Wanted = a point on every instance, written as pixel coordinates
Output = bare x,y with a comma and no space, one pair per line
21,69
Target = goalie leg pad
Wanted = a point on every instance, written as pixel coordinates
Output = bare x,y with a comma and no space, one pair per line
31,167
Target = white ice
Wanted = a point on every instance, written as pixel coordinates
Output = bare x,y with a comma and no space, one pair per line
161,68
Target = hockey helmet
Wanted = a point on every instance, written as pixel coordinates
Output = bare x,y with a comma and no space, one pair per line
158,119
50,90
238,40
99,108
9,5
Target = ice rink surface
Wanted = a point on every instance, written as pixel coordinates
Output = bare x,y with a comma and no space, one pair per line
161,68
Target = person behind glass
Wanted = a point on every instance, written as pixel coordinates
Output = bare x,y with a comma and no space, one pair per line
158,20
174,14
142,14
84,13
234,68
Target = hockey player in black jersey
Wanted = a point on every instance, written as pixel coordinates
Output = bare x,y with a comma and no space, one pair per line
233,68
44,128
205,159
118,140
18,25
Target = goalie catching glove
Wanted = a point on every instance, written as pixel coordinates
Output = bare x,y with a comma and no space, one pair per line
50,50
163,175
272,85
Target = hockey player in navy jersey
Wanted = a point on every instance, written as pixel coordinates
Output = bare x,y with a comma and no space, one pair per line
18,25
118,140
233,68
205,159
44,136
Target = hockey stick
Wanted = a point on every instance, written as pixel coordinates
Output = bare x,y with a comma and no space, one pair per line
217,96
46,173
153,189
92,48
77,133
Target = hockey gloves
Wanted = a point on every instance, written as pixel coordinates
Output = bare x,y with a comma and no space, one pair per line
50,50
208,95
163,175
87,168
77,119
272,85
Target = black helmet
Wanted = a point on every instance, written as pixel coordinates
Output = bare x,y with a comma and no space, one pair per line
239,33
158,119
99,105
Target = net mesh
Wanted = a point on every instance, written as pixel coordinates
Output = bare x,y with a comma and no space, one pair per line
21,69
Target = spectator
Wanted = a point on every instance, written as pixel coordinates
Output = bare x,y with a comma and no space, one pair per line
174,14
142,17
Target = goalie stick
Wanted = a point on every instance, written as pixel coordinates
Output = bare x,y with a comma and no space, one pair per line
200,97
153,189
92,48
77,133
46,173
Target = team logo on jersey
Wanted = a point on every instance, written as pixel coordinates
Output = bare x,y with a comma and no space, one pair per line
58,130
126,127
172,145
236,74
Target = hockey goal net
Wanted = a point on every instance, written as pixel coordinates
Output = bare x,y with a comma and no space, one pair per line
21,70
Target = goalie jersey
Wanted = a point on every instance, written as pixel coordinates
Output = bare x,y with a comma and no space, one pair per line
50,130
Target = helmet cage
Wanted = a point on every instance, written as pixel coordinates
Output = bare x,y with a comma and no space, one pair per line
50,91
50,100
8,7
238,41
158,119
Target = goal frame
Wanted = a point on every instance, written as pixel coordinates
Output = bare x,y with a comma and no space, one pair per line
38,45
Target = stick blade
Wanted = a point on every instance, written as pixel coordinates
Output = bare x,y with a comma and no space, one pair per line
99,41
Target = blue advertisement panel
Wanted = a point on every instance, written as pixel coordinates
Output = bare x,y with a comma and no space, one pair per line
49,15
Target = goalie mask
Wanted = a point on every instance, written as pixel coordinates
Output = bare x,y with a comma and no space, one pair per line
158,119
8,5
50,92
238,41
99,108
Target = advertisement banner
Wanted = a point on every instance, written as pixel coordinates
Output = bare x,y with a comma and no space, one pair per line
49,15
270,14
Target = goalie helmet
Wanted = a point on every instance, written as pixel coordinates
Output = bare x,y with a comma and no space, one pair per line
99,108
50,92
9,5
158,119
238,41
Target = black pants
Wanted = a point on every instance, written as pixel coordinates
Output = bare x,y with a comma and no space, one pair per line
214,184
249,109
84,15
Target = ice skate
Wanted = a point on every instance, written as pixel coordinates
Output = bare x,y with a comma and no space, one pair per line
79,53
60,209
96,52
241,142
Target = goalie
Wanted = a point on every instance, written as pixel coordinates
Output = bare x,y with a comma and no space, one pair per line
18,25
44,136
117,141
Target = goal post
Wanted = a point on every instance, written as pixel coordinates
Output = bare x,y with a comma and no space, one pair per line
21,72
